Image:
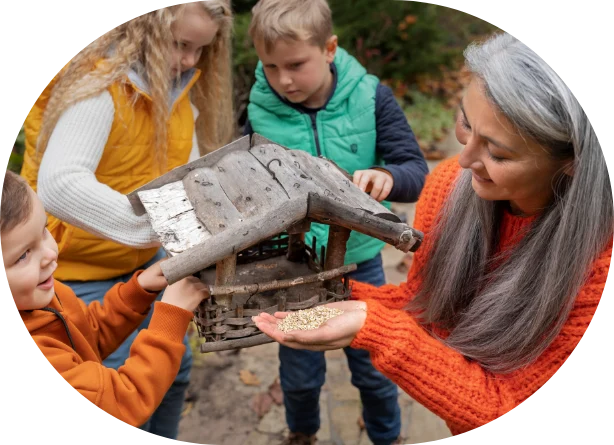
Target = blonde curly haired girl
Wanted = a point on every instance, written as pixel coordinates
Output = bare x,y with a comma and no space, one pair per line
116,117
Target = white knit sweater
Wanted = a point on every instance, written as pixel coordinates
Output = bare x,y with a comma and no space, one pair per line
68,187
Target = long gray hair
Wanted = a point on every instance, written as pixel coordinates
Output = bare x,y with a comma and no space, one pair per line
504,319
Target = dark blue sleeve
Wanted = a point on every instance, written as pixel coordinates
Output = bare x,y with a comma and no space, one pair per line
397,146
247,128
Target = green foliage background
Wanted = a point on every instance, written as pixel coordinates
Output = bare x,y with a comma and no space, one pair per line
410,46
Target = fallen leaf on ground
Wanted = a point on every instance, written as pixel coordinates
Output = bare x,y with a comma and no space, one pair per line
261,403
276,393
187,408
248,378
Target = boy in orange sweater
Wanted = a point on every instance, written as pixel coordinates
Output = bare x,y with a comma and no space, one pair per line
74,337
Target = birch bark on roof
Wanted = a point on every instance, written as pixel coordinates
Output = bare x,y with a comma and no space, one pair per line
230,242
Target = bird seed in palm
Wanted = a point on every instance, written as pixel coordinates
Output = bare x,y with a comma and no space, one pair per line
308,319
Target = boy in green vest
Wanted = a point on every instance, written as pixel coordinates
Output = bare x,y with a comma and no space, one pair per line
313,96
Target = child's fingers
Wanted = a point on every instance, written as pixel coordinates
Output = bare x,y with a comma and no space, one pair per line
378,184
357,176
366,180
362,179
386,188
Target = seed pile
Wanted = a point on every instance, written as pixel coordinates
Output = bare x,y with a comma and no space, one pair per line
308,319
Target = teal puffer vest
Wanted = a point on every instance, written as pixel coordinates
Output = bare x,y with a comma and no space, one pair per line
344,128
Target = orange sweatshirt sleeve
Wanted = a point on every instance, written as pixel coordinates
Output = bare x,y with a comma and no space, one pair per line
458,390
132,392
124,307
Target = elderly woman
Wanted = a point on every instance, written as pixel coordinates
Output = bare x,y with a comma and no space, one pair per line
518,241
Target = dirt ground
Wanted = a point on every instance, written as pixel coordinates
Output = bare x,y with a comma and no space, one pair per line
222,412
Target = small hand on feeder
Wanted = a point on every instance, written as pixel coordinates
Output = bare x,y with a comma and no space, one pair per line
337,332
186,294
152,279
377,182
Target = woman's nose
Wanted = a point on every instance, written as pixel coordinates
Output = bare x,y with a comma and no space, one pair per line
469,156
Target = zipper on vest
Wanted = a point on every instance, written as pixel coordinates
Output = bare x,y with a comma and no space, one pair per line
314,127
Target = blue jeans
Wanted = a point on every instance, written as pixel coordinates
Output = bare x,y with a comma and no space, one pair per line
302,375
165,420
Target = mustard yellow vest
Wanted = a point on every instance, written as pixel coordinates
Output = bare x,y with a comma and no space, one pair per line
128,162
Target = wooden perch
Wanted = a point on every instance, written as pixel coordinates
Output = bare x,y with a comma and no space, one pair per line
281,284
333,212
246,342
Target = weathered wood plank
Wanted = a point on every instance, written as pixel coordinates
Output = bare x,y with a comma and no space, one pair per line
336,185
211,204
399,235
248,184
321,170
173,218
230,242
341,176
178,173
285,168
258,139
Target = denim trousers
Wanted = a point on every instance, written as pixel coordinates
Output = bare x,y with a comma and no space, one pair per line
302,375
165,420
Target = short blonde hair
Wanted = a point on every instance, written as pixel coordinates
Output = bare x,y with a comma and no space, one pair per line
309,20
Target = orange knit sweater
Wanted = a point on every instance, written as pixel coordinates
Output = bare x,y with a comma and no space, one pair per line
456,389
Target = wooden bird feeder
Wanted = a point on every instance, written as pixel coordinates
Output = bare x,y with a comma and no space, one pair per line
236,218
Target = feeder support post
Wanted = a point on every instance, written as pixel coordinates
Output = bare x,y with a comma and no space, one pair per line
335,255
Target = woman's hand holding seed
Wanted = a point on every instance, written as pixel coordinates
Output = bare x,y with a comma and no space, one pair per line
337,332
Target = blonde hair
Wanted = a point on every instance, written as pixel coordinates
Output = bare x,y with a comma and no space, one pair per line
144,44
273,20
